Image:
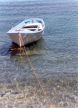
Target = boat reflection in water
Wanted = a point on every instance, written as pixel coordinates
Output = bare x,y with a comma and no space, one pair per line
20,54
34,48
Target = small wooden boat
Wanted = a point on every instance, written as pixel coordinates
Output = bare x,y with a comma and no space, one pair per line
28,31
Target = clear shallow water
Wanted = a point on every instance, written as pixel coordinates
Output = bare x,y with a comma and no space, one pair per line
55,56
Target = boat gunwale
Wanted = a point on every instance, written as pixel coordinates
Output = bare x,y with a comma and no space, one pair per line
20,26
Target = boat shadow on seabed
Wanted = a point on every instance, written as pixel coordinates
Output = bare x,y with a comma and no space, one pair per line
12,49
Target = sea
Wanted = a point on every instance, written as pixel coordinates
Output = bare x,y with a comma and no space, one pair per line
43,74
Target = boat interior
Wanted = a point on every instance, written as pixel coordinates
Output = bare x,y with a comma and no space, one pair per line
31,25
32,28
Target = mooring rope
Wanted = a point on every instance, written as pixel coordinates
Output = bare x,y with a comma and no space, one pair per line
35,74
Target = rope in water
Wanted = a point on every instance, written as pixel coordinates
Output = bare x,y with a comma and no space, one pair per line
35,74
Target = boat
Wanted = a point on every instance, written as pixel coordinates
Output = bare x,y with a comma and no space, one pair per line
27,31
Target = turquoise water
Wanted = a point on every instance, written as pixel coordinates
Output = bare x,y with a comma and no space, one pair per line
54,56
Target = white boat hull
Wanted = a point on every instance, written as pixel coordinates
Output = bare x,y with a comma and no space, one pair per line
22,39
